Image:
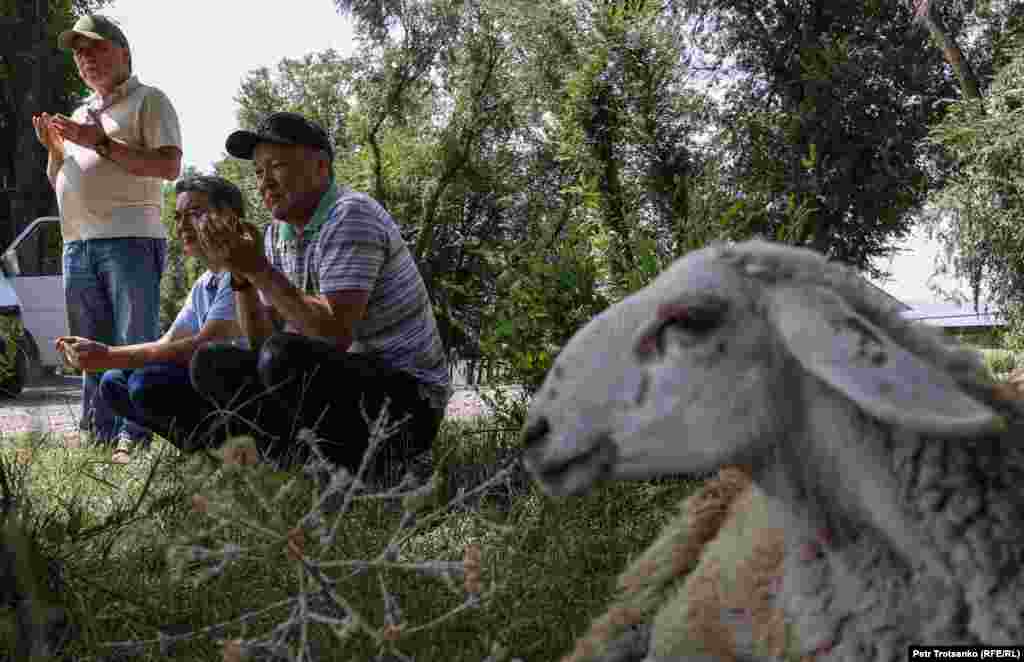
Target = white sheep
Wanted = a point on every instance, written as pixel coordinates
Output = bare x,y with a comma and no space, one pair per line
877,439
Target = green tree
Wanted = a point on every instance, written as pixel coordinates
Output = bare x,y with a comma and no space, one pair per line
983,201
927,13
822,122
609,115
610,173
518,142
532,139
34,77
420,119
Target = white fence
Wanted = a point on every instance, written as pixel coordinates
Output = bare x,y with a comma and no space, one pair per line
469,373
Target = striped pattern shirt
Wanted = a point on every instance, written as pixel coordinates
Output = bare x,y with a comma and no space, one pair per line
352,243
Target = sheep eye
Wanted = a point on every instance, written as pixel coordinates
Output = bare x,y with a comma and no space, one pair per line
697,321
696,324
689,323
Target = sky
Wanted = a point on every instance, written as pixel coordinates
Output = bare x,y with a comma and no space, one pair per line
912,270
198,52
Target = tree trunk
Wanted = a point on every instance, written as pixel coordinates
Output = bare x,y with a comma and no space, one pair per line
950,50
32,195
955,57
610,186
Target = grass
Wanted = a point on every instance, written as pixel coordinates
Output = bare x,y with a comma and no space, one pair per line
548,566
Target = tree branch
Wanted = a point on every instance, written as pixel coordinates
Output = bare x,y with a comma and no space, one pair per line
969,86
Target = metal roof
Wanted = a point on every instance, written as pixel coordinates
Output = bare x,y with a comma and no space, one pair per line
953,315
947,315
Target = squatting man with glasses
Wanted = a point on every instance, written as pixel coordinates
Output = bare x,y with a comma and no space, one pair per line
334,307
149,383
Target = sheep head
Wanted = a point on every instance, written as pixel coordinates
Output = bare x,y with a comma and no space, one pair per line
712,363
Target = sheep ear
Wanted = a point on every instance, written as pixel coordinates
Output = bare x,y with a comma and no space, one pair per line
850,354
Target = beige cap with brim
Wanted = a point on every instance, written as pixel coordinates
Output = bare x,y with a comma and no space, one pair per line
93,26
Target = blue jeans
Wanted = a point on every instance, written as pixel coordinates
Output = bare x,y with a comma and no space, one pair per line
160,397
112,292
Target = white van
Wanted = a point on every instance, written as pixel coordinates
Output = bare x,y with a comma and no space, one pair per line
31,287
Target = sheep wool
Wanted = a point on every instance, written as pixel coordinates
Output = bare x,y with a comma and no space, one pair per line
707,583
724,610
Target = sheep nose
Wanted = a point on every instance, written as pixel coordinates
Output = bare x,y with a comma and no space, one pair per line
535,432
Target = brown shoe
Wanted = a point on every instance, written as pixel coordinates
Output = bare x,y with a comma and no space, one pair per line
123,452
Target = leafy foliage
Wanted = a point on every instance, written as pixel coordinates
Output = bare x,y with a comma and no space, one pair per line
34,77
547,296
827,105
983,202
518,142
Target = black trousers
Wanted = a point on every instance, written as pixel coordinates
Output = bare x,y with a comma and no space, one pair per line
160,398
296,382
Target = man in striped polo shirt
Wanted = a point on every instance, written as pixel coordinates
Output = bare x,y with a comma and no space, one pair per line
333,306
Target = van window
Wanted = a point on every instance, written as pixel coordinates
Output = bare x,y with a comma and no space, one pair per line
41,252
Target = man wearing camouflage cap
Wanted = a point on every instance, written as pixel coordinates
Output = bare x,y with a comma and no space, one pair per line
106,163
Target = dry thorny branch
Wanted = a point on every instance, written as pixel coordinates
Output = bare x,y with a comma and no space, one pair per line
308,544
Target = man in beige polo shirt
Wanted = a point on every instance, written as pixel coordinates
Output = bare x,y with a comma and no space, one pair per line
106,163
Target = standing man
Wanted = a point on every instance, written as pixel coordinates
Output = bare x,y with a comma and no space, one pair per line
106,163
358,323
149,383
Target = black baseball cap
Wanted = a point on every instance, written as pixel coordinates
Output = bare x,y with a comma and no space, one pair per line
283,129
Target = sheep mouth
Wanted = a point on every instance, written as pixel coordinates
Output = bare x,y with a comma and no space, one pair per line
576,475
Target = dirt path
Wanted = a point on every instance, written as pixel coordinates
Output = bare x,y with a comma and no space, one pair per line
54,403
50,403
